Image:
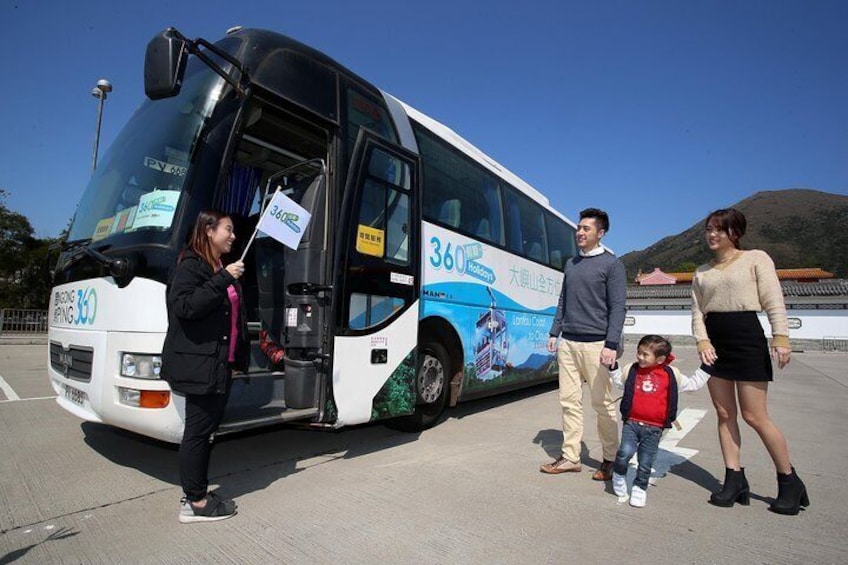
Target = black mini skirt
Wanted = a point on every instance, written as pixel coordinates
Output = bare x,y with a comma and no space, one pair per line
741,347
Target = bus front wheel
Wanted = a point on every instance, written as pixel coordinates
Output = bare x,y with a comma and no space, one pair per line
432,383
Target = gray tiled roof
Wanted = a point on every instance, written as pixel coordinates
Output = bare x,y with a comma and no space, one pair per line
659,291
834,287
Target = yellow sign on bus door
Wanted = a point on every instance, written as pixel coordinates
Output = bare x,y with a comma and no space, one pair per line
370,241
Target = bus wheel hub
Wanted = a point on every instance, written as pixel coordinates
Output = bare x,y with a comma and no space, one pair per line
431,379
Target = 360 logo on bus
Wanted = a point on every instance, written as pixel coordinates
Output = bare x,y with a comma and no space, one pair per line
460,258
76,307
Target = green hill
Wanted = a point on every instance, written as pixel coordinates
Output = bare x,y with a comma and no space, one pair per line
797,227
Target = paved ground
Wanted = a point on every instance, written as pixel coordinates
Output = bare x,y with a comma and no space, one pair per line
467,491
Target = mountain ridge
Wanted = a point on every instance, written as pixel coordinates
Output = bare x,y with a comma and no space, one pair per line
797,227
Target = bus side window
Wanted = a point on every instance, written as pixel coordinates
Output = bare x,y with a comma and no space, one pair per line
560,241
385,206
534,250
556,259
515,241
367,310
526,227
483,230
397,235
373,206
449,213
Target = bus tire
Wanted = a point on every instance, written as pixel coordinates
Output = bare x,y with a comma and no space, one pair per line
432,385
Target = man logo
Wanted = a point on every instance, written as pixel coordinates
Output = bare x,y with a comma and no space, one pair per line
66,360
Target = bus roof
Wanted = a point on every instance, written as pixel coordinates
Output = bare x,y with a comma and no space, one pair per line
261,47
478,156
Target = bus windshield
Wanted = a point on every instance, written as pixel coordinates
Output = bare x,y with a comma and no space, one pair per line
138,184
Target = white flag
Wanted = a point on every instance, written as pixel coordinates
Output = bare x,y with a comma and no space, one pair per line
284,220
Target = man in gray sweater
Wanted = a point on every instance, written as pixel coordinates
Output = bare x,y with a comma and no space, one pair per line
588,324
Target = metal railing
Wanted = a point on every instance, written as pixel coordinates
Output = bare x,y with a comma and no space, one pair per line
835,343
19,322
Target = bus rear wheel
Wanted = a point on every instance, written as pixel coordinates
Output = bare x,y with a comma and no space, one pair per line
432,383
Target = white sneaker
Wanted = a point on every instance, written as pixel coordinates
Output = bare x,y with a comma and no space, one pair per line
638,497
619,485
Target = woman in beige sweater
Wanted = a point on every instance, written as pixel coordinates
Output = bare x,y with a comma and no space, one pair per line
727,294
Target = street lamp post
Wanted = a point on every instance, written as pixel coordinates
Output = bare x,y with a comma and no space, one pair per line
99,92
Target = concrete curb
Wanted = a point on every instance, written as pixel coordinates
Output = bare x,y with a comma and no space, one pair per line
23,340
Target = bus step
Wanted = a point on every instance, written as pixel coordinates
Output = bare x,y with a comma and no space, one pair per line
259,375
289,415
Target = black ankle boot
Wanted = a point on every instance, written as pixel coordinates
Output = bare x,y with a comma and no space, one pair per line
734,489
791,494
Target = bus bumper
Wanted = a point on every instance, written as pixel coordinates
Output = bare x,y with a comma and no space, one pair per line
100,394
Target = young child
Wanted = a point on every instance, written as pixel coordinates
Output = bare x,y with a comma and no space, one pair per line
649,405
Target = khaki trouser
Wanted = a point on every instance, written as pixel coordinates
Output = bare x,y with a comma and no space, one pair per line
581,362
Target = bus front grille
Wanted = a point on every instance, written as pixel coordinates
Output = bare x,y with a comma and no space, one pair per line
74,362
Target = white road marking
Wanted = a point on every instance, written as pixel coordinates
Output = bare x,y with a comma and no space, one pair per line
669,453
8,390
25,399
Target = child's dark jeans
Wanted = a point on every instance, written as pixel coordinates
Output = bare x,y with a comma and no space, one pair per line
643,438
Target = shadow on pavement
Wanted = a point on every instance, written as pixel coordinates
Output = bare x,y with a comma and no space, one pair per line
479,405
550,441
249,461
59,534
246,461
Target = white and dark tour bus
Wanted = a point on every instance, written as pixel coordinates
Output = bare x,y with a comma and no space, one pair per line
427,275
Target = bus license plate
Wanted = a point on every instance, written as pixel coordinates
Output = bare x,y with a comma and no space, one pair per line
74,395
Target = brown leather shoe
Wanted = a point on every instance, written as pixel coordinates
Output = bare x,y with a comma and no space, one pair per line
604,473
561,465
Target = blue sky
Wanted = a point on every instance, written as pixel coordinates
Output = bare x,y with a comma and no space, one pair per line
657,111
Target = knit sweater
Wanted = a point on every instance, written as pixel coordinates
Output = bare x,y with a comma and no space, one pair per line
592,302
746,283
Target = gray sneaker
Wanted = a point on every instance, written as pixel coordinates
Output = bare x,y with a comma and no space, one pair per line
216,509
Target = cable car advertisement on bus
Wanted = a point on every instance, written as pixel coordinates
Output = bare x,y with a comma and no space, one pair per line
500,305
491,343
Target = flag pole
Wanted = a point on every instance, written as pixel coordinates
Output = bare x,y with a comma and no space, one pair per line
249,243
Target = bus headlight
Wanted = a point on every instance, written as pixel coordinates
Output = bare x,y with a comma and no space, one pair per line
140,366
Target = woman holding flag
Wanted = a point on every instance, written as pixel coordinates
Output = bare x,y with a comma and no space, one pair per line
207,339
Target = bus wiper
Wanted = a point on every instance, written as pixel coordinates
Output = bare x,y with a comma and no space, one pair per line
63,247
119,268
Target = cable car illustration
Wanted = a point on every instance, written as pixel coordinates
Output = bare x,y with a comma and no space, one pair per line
491,342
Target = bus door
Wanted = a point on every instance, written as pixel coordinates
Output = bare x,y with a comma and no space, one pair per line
377,283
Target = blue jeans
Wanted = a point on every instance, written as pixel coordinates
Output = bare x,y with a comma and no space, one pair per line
642,438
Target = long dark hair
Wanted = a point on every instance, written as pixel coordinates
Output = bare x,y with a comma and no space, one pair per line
199,241
732,222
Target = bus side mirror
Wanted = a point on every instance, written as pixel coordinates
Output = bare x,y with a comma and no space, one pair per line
164,65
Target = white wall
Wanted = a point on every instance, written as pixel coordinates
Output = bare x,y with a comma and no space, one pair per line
660,322
815,324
